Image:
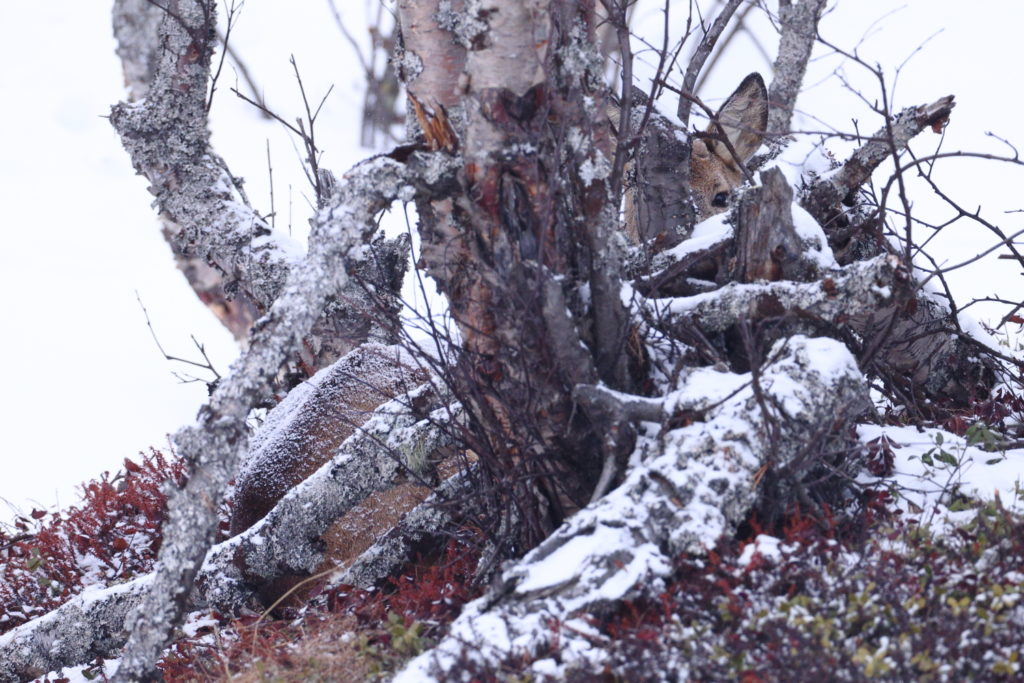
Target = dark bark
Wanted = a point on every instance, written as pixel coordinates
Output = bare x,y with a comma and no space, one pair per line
767,244
514,252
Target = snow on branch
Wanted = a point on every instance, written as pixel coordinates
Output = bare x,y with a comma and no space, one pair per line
798,20
859,288
700,482
824,195
218,442
392,445
87,626
93,624
167,136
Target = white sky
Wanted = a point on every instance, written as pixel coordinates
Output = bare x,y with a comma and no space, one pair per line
86,387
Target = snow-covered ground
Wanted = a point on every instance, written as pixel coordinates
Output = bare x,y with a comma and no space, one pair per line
85,384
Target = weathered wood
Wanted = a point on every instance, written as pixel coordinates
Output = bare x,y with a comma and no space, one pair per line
859,288
192,188
699,482
695,272
535,212
286,542
799,27
664,210
767,244
822,198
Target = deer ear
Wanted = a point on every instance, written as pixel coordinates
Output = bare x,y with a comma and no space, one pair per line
744,117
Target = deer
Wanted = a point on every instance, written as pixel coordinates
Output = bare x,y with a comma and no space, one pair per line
729,142
341,397
304,432
718,154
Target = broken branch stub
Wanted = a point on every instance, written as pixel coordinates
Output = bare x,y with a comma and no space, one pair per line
823,197
767,244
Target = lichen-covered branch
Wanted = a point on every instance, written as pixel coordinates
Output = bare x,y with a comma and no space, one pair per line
232,259
87,626
799,25
373,459
700,55
392,446
166,134
825,194
218,442
699,483
859,288
136,26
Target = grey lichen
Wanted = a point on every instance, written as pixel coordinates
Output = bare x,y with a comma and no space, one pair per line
698,484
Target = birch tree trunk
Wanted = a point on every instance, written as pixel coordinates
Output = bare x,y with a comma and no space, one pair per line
528,252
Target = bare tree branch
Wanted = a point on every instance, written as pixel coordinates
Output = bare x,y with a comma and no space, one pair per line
825,194
701,484
799,24
693,69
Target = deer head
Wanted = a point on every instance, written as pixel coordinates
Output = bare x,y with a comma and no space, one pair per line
729,141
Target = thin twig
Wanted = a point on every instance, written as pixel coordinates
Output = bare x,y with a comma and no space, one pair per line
205,366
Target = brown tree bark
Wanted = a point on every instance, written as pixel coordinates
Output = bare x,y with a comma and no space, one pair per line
528,233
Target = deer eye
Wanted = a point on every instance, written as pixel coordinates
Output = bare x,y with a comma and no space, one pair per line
720,200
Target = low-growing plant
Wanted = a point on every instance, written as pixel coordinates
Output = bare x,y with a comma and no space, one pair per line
112,535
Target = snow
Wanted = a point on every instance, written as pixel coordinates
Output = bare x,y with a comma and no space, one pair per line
706,234
765,546
102,242
626,540
85,672
931,465
813,239
65,391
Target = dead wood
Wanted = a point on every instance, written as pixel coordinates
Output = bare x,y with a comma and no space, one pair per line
823,197
767,244
798,22
700,478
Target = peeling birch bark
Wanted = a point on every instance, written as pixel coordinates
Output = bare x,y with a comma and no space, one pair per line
535,206
697,485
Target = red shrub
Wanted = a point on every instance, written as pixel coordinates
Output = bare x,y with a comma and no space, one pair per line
111,536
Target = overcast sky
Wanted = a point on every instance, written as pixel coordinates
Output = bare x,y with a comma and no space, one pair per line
85,385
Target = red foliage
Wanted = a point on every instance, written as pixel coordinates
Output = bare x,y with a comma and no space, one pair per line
739,607
880,458
111,536
432,592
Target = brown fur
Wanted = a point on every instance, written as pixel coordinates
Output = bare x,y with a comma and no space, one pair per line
714,170
370,375
343,399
